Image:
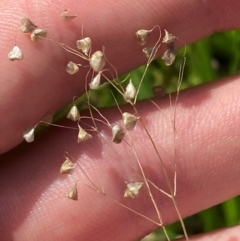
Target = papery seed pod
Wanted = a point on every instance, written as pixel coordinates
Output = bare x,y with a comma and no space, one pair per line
83,135
130,92
158,91
27,25
67,166
38,34
148,51
15,54
74,114
72,68
28,135
169,57
168,38
133,189
84,45
73,193
142,36
129,120
95,83
117,134
97,61
66,17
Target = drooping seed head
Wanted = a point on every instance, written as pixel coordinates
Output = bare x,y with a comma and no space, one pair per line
73,193
129,121
148,51
38,34
84,44
168,38
97,61
67,166
28,135
142,36
83,135
133,189
74,114
15,54
27,25
95,83
117,134
130,92
169,57
72,68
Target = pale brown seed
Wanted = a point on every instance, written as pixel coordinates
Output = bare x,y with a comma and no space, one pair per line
15,54
133,189
169,57
168,38
28,135
148,51
27,25
74,114
67,166
97,61
84,45
72,68
95,83
142,36
130,92
38,34
129,121
66,17
83,135
73,193
117,134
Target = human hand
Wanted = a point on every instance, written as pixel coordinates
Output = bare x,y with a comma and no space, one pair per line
32,205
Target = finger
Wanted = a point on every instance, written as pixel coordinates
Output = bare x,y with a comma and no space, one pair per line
207,157
231,233
39,86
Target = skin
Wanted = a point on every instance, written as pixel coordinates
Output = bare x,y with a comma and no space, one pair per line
32,203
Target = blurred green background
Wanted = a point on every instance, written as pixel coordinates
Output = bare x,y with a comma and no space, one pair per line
206,60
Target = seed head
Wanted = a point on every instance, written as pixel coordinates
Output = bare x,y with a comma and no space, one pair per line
168,38
117,134
130,92
94,84
73,193
169,57
148,51
97,61
27,25
83,135
38,34
133,189
15,54
142,36
84,45
129,120
72,68
28,135
67,166
74,114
